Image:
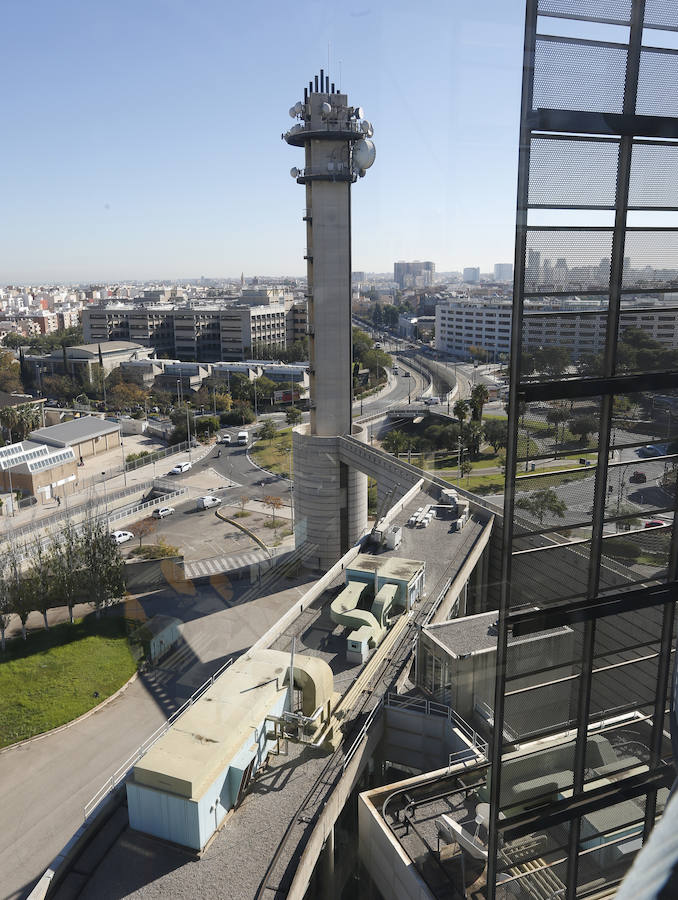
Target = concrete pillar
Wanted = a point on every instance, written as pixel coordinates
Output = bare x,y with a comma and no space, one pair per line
327,868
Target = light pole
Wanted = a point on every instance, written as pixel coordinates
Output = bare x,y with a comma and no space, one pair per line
188,433
105,499
124,464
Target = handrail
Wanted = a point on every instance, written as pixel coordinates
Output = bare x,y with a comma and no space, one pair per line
361,734
433,708
123,771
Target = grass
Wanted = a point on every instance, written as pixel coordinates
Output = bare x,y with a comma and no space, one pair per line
494,484
268,454
51,678
241,514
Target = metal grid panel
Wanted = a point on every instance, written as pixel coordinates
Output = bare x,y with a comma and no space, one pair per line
659,349
651,259
654,176
617,11
550,575
578,76
535,863
660,14
556,343
658,83
556,499
573,173
567,260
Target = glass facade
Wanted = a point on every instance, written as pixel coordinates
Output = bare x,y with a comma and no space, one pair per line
580,756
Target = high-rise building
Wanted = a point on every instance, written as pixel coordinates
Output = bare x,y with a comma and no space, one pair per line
471,275
413,274
580,759
503,271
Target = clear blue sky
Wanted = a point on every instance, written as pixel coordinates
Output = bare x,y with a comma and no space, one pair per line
141,138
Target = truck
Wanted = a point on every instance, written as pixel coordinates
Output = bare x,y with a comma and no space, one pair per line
243,438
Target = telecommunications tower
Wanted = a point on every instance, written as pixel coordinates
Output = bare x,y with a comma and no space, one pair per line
330,496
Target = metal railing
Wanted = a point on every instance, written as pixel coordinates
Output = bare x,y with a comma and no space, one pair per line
155,456
361,735
131,510
123,771
433,708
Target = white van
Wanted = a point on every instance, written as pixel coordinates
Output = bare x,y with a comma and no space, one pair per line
206,502
243,438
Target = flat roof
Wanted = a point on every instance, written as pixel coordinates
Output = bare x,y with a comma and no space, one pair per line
387,566
474,634
74,431
207,737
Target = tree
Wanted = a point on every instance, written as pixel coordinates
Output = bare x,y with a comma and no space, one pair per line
542,502
557,416
293,415
21,588
268,430
583,426
472,435
465,469
460,410
5,601
552,360
479,397
65,566
9,372
244,500
394,442
37,575
274,503
103,564
496,433
123,396
143,528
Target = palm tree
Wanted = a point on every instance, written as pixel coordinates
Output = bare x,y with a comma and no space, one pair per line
479,397
460,410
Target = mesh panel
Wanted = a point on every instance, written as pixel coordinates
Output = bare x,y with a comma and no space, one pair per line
660,13
567,260
609,838
556,343
617,11
555,499
654,176
535,864
658,83
658,351
651,260
569,75
574,173
549,575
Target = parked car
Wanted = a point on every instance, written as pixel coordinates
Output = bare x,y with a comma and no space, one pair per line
224,439
206,502
180,468
161,511
406,375
638,477
121,537
654,523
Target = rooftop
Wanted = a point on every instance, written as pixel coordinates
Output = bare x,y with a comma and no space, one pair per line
73,432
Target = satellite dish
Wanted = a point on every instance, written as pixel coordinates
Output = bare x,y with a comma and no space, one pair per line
358,112
364,153
365,126
294,172
298,107
325,108
370,131
293,112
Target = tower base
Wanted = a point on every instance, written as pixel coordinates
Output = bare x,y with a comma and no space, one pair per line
330,498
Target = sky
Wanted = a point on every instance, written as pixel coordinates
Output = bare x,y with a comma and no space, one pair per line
142,138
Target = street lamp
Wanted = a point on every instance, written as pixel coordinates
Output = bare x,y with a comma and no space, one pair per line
105,499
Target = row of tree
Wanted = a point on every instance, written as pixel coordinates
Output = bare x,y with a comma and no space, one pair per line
77,565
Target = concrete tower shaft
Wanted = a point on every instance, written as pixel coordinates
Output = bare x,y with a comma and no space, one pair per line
330,497
337,151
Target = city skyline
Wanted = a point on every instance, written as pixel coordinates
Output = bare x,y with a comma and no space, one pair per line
145,142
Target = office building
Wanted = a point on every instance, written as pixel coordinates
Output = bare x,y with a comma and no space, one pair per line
471,275
503,272
413,274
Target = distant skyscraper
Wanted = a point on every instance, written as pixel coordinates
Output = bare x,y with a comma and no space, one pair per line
472,275
413,274
503,271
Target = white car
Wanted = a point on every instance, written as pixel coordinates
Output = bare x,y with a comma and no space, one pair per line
181,467
224,439
121,537
206,502
161,511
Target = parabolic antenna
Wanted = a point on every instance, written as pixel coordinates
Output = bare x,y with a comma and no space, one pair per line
293,112
364,153
294,172
325,108
365,126
358,112
298,107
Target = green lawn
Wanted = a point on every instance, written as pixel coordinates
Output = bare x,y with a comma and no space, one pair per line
268,455
50,678
494,484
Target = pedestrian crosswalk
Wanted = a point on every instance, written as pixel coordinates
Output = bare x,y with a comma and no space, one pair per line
204,567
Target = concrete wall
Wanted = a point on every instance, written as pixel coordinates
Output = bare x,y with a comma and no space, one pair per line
419,741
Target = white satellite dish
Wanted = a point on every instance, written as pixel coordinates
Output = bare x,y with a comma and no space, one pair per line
370,131
365,126
364,154
358,112
298,107
293,112
294,172
325,108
